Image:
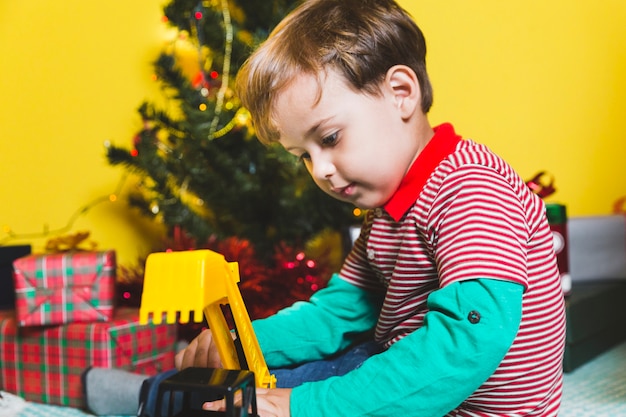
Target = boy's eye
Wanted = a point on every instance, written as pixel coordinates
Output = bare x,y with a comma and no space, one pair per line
329,140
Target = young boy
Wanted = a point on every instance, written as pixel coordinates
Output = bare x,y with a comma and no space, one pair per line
449,303
453,278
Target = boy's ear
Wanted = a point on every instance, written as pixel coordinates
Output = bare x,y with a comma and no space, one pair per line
405,89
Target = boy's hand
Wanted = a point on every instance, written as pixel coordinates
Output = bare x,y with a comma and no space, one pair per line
201,352
270,402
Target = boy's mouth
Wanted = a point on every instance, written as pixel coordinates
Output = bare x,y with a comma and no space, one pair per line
344,192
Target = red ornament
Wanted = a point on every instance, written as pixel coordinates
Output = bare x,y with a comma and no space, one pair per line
200,81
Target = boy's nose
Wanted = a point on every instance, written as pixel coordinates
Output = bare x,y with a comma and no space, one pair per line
322,169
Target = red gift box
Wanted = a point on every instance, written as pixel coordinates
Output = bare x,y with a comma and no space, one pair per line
44,364
64,288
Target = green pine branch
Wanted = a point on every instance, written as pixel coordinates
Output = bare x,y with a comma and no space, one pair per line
232,185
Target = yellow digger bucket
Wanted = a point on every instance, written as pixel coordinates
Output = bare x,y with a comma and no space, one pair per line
181,285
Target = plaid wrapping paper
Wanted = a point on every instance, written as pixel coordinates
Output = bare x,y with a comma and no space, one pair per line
44,364
64,288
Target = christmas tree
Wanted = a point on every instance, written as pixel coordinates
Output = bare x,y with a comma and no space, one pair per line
203,173
202,169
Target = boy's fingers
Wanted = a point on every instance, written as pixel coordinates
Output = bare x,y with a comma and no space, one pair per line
200,352
181,360
219,405
178,359
201,355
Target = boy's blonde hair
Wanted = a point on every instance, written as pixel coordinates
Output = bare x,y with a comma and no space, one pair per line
359,39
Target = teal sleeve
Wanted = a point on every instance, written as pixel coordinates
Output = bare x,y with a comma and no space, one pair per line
467,332
333,319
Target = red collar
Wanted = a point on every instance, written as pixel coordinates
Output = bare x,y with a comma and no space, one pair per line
442,144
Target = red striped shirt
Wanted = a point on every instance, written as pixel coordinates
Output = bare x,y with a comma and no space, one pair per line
463,213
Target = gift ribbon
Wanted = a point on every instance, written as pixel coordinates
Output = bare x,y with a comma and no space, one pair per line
71,242
619,207
539,187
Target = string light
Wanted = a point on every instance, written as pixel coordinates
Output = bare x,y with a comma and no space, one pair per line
228,47
112,198
237,119
220,102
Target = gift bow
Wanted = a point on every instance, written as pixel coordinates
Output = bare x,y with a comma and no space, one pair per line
71,242
538,187
619,207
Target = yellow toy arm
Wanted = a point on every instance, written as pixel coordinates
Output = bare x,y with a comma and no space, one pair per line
189,283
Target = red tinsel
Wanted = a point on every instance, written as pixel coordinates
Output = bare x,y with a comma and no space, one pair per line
268,288
291,276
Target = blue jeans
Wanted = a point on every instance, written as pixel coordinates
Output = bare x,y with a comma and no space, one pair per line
338,365
324,369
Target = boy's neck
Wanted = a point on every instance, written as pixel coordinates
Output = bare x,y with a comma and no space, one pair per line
423,133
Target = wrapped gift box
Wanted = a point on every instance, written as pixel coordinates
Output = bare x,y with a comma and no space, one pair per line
597,248
8,254
44,364
65,288
595,314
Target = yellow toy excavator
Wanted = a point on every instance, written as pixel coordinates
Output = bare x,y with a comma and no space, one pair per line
185,285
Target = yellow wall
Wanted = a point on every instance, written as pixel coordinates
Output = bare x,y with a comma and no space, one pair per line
542,82
73,73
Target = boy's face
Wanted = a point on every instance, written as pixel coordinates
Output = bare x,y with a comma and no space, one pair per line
357,147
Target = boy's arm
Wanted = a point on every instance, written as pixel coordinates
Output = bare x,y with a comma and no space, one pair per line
333,319
432,370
